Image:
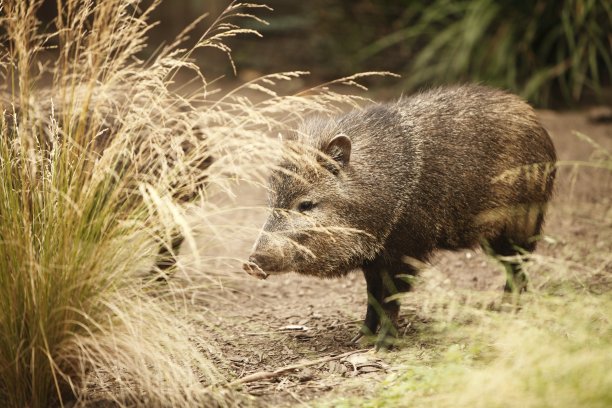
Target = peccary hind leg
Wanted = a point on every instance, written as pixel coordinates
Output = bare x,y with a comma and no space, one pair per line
503,246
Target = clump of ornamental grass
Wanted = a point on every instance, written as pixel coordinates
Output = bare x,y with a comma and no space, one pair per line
97,147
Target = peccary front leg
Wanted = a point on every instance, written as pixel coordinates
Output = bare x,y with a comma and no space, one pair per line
375,297
394,282
502,246
382,282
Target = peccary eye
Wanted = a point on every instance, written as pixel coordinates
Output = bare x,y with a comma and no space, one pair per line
305,206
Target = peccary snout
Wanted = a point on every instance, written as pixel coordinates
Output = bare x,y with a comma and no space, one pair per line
266,261
254,270
266,258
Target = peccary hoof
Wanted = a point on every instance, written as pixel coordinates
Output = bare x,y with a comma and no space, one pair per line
384,340
387,337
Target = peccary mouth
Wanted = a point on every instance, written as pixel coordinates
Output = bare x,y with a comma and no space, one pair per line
254,270
261,264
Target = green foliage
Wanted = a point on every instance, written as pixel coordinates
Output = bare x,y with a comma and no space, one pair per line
539,49
550,52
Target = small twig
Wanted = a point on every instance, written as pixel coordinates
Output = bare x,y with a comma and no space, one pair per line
264,375
344,324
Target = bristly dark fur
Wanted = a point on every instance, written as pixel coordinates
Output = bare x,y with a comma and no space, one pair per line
448,168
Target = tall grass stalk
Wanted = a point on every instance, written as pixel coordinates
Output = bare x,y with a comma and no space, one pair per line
96,147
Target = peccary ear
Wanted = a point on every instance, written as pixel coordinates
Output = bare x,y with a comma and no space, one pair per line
339,149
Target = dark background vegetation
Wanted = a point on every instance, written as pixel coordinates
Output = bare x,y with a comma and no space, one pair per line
553,52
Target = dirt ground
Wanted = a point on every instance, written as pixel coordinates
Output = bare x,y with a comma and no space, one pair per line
289,319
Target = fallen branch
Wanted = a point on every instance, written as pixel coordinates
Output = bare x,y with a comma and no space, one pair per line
265,375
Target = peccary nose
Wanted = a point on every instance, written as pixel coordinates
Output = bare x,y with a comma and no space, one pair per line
253,268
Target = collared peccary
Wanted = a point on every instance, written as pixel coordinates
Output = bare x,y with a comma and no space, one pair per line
375,188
